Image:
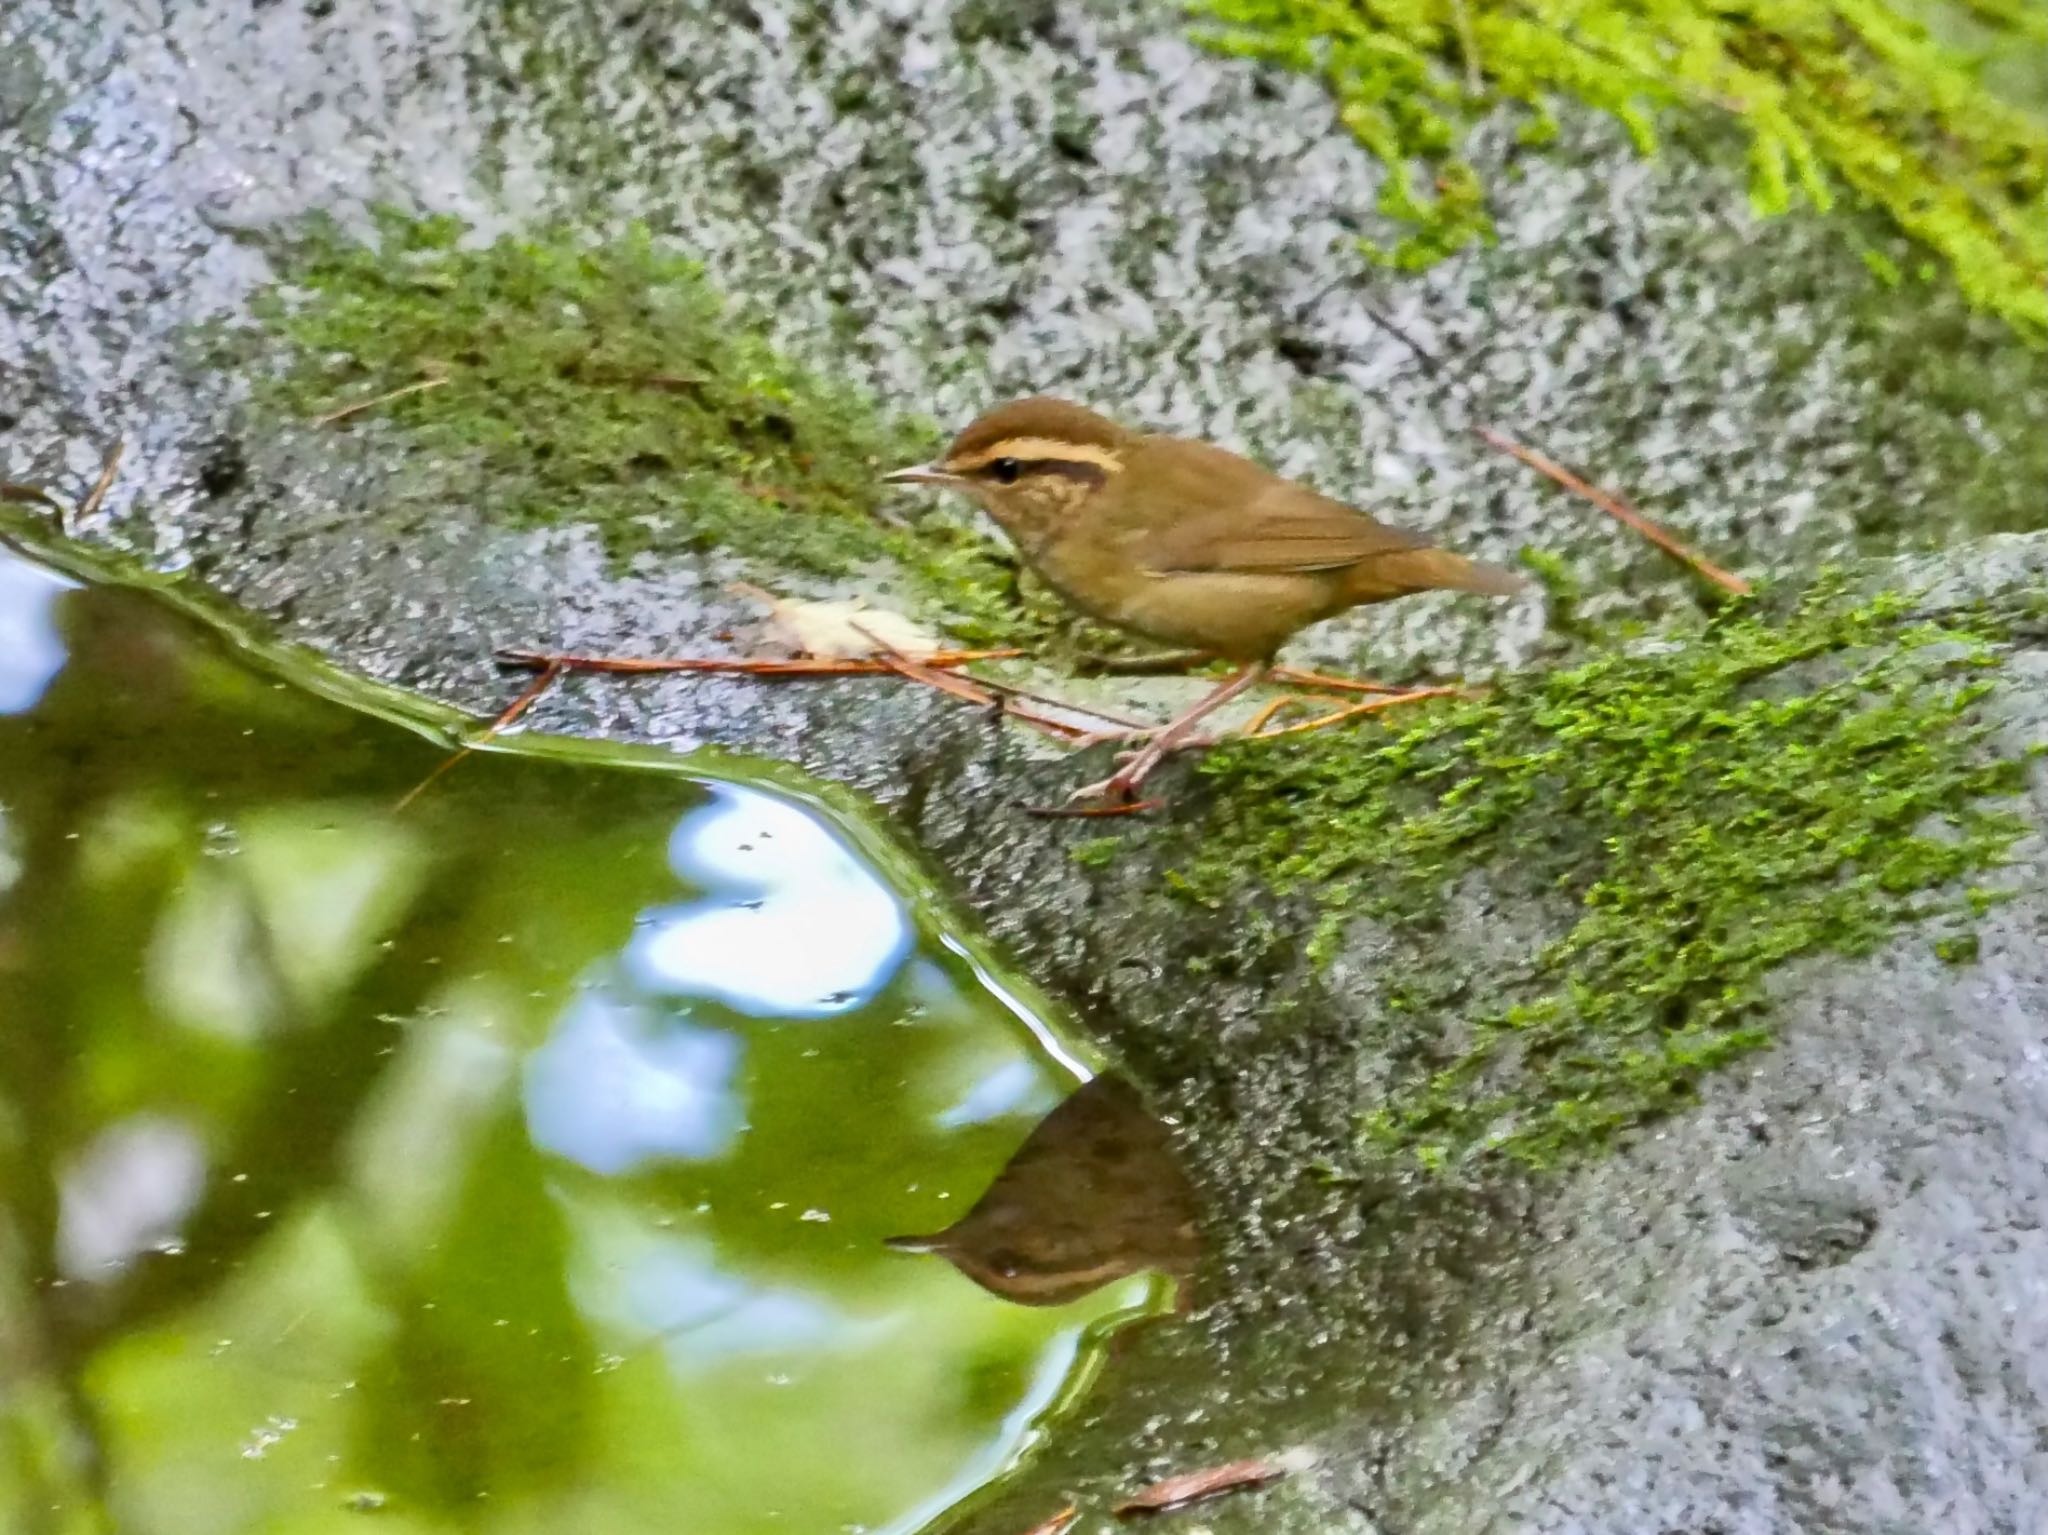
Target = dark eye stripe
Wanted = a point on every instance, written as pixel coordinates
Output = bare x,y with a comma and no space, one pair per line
1066,468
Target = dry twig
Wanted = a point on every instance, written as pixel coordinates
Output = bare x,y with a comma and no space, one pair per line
1092,812
866,666
1195,1486
980,690
345,411
1058,1524
519,706
1544,465
103,484
1353,711
1122,722
970,691
1273,706
1616,508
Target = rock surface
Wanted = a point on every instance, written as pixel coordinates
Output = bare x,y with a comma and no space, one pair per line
1814,1304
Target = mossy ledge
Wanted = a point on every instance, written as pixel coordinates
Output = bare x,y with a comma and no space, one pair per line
1828,95
605,382
1693,815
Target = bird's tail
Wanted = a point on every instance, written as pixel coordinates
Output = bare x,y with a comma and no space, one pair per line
1430,570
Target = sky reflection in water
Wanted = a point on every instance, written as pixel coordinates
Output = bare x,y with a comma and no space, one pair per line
612,1089
794,927
30,651
525,1160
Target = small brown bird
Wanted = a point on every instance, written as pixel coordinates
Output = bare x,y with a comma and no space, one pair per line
1182,541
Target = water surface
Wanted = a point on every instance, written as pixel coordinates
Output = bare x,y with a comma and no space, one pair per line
523,1159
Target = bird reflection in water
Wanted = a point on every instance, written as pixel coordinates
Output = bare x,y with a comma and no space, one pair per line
1093,1195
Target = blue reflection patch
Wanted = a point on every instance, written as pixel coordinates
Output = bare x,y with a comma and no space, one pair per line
794,927
619,1084
1014,1087
31,652
676,1293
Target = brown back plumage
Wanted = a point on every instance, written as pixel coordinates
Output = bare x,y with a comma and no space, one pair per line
1235,515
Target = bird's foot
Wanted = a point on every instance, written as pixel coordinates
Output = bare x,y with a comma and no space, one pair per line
1121,787
1114,795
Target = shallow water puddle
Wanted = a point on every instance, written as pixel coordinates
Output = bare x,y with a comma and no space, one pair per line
523,1161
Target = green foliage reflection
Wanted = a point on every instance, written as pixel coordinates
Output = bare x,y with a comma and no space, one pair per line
412,1163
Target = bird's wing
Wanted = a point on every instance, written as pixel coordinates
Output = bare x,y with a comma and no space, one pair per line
1235,516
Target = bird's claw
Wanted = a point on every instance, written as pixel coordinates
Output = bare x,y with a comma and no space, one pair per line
1113,790
1113,793
1117,794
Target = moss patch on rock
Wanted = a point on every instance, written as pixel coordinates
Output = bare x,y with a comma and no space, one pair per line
607,383
1830,96
1697,815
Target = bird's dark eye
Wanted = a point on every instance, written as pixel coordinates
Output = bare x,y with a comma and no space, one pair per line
1005,470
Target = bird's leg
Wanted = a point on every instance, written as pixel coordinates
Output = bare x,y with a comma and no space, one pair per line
1123,783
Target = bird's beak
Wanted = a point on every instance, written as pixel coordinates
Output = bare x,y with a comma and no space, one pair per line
919,474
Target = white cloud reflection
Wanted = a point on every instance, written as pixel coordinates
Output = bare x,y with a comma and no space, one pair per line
796,926
667,1291
675,1292
1011,1088
619,1084
10,859
128,1194
31,651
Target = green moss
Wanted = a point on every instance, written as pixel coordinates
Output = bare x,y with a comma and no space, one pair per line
1096,852
1564,594
1830,95
1933,360
1961,949
1699,815
608,384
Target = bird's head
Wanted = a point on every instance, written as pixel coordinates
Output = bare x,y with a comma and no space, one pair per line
1032,463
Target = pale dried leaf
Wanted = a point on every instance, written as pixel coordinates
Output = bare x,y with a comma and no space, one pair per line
843,629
